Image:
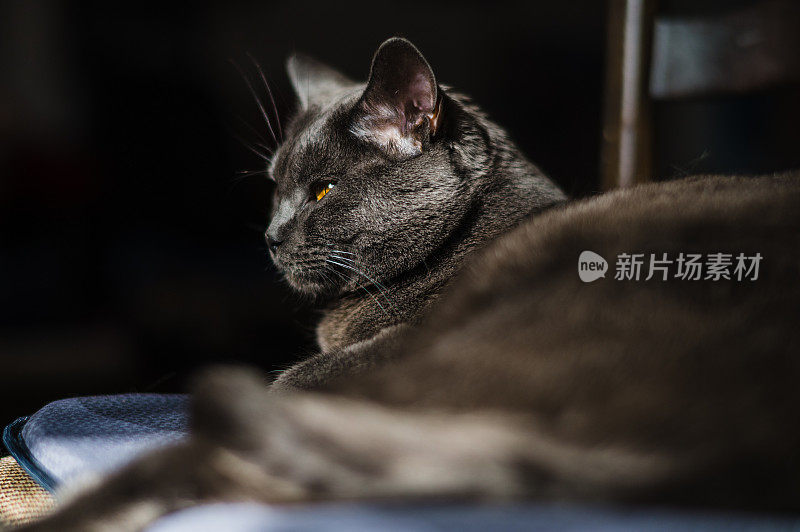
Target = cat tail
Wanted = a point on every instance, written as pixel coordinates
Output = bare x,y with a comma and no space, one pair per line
330,447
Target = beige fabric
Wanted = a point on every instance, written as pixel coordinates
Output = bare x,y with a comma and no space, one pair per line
21,499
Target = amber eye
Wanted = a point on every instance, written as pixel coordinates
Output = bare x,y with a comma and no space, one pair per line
320,188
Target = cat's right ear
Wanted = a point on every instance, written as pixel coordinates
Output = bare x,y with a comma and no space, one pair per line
313,82
399,110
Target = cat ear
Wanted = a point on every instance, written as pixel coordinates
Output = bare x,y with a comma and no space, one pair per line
399,108
313,82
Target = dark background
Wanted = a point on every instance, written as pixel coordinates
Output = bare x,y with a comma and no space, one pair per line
130,253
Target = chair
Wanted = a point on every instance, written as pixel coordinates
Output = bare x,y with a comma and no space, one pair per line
657,56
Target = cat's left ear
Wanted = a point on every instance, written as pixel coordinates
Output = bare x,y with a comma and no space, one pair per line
315,83
399,110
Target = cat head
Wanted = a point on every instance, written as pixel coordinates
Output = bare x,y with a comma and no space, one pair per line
371,178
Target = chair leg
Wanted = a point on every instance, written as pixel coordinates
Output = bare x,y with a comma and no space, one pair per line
627,135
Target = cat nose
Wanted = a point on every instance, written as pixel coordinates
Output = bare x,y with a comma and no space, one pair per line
273,243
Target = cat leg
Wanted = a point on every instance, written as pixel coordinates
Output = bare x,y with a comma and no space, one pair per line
317,371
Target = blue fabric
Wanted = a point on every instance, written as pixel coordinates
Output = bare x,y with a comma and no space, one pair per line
93,435
461,518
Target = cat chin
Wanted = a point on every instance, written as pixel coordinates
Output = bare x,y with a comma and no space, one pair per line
311,285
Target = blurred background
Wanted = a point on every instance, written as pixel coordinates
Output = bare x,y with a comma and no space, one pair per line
130,251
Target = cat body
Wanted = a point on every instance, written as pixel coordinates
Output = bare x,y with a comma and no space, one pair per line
462,356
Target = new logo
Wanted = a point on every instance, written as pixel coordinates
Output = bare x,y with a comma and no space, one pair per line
591,266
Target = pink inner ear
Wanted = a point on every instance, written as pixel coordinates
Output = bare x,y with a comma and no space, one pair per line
415,102
420,92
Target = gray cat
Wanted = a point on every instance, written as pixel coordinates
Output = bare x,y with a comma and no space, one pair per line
463,357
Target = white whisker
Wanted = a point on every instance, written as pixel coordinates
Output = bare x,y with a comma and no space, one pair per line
365,276
359,284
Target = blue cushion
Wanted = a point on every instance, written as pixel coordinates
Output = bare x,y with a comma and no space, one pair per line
92,435
248,517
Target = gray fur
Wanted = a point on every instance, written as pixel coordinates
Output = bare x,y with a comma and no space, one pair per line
493,372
